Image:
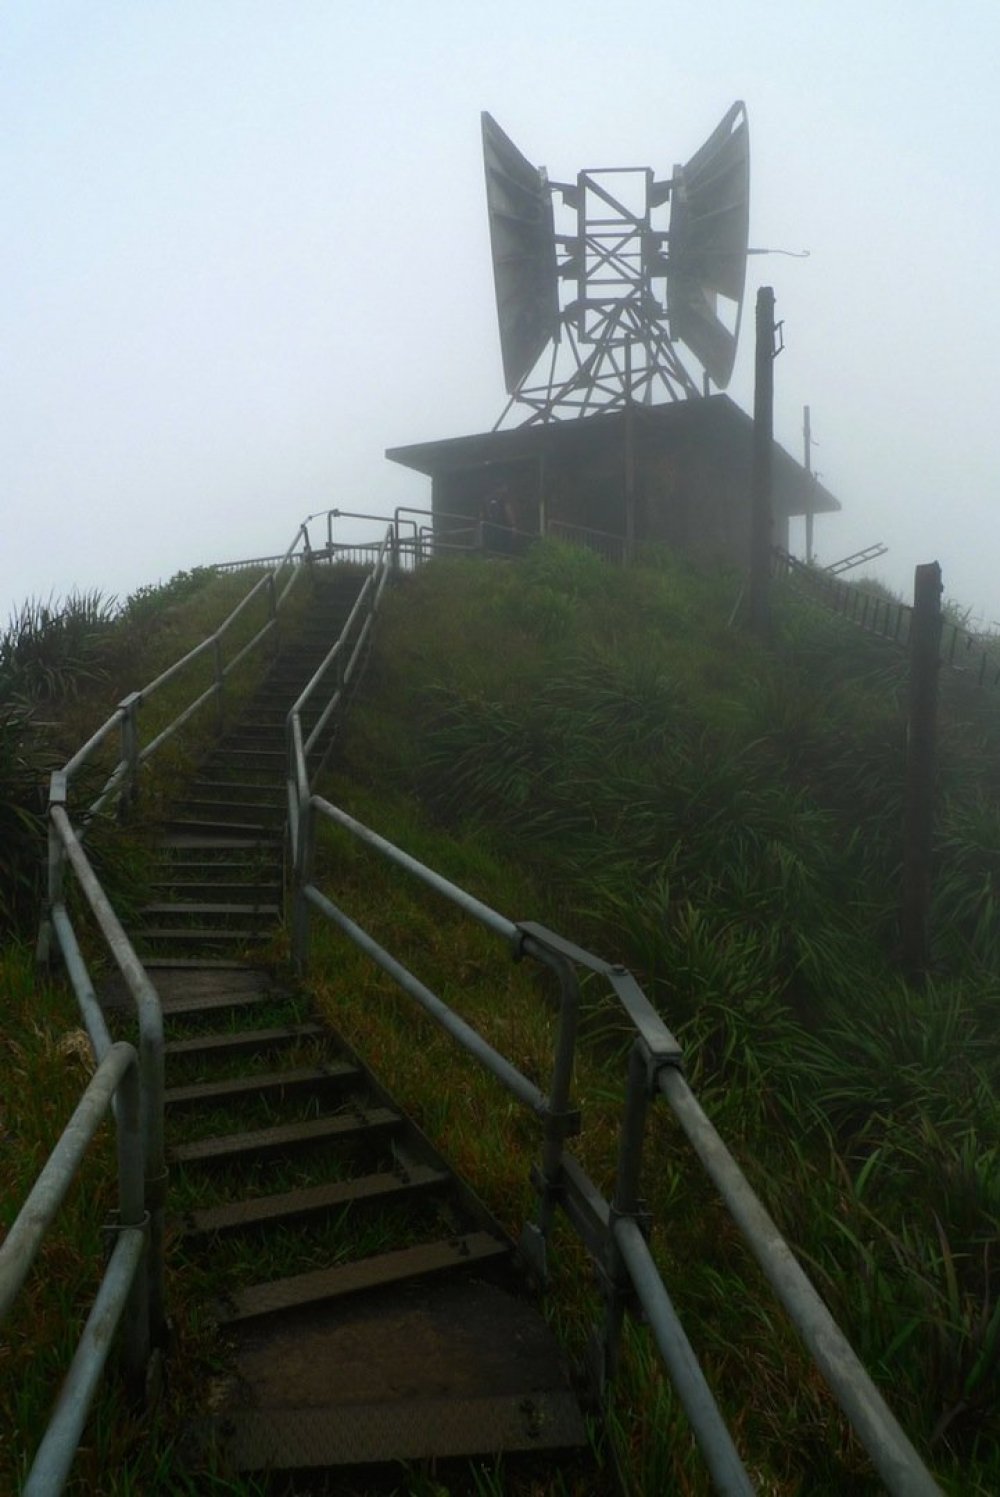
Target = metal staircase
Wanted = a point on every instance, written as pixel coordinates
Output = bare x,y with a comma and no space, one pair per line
373,1308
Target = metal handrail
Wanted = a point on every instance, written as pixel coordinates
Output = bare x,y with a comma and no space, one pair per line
129,1081
612,1231
123,1295
655,1070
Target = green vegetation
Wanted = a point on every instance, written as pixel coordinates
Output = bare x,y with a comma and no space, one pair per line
599,750
725,820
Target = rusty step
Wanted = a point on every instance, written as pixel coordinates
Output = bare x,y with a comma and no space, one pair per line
381,1189
467,1251
246,1042
349,1127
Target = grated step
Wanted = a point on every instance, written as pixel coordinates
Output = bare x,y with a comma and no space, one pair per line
367,1273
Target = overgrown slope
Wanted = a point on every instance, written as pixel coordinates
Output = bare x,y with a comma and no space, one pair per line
725,819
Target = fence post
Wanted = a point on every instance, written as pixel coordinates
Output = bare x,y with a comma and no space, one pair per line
918,812
761,521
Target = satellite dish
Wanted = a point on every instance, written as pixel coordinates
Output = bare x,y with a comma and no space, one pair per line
707,252
522,237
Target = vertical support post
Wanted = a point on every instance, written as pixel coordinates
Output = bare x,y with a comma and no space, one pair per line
534,1236
220,707
629,458
807,444
129,797
302,875
55,868
921,737
272,611
763,441
135,1347
624,1204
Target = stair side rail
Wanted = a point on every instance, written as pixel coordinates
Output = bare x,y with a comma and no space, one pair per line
122,1297
135,1279
615,1233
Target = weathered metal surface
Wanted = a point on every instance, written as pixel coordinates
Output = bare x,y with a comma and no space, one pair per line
277,1084
366,1122
382,1189
468,1251
249,1042
443,1367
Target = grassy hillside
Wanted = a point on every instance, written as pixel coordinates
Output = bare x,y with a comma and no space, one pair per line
726,820
602,750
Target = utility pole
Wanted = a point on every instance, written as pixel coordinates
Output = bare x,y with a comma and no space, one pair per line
921,739
761,521
807,443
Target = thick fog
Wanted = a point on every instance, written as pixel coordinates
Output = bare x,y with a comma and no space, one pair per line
245,249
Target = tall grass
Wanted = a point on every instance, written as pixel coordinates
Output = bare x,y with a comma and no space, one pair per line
727,821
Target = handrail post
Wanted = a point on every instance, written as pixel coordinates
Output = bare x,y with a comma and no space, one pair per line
625,1204
135,1349
55,870
272,610
559,1120
129,797
302,874
220,706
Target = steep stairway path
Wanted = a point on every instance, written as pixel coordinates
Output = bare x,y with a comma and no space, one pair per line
371,1308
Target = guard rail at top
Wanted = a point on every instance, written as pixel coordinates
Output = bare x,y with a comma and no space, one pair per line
614,1232
891,619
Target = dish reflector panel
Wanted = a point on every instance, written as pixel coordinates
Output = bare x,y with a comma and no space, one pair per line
522,238
707,253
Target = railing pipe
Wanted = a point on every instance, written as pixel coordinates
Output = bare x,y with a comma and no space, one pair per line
714,1440
94,741
151,1061
893,1455
507,1074
467,902
62,1438
90,1010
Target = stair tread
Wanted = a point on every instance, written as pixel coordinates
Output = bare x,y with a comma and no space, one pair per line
383,1185
183,907
260,1140
366,1273
214,1044
333,1071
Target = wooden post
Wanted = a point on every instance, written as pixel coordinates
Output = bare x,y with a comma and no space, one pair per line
807,443
763,441
918,810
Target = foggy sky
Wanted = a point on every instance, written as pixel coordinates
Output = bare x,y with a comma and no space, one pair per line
245,250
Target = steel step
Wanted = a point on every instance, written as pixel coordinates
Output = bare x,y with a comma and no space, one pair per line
381,1189
276,1085
224,1148
267,895
201,935
367,1273
246,1042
